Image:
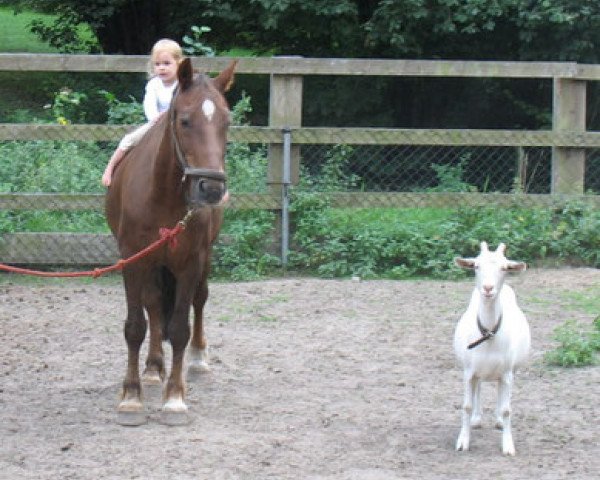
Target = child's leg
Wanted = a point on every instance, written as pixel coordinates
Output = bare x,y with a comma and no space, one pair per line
117,156
128,141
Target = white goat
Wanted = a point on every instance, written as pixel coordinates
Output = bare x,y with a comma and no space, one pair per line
491,339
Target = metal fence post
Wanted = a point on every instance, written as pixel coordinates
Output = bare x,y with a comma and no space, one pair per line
285,111
285,200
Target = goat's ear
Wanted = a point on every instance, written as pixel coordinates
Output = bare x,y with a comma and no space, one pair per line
512,266
185,74
465,262
501,248
484,247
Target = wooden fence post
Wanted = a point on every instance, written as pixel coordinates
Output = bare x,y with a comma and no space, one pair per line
568,115
285,110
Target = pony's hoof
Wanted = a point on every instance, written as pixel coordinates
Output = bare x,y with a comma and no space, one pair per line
198,361
151,378
174,412
174,419
130,413
131,419
198,367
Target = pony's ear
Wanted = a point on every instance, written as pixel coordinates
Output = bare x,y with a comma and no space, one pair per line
185,74
224,80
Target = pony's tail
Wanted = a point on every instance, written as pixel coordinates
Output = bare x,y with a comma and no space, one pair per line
167,287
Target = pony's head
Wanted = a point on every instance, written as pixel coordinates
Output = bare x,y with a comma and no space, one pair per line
199,118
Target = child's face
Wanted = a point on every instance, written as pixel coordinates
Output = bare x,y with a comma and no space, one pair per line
165,67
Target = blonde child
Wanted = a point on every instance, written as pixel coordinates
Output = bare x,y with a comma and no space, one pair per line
164,59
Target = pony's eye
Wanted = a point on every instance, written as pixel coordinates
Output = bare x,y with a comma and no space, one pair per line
185,121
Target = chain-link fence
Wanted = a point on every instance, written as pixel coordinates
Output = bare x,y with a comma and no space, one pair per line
410,168
61,205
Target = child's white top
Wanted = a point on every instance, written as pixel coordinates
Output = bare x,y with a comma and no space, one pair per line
157,98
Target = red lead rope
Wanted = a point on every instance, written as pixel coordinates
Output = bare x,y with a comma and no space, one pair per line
167,235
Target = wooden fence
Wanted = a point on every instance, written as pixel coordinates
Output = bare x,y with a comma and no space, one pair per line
569,139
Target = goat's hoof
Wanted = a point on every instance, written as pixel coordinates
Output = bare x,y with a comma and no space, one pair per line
509,452
508,449
462,445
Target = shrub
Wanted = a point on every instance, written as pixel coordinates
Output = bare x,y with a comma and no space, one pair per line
576,348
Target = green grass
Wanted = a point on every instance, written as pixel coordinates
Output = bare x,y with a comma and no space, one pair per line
587,301
387,219
15,36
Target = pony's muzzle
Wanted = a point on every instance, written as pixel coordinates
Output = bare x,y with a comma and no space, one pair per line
210,191
205,187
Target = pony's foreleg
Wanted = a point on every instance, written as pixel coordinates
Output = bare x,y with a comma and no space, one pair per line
174,408
198,353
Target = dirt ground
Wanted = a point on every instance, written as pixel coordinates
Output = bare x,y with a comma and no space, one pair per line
311,379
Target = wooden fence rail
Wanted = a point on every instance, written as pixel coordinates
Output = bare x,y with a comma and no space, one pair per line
569,138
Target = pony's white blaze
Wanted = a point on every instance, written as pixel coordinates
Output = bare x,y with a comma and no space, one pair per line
208,108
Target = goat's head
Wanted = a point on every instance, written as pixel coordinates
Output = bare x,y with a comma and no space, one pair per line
490,269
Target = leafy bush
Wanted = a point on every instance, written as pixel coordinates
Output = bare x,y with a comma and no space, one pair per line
577,345
404,243
123,113
51,166
246,164
193,44
450,177
243,252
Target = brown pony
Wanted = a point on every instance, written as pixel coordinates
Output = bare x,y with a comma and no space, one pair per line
177,171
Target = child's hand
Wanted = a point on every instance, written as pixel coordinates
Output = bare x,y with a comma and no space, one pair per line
157,118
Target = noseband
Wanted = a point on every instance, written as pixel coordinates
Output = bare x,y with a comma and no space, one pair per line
193,172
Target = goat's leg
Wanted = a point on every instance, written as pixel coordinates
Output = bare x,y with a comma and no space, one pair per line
476,415
464,437
504,413
499,420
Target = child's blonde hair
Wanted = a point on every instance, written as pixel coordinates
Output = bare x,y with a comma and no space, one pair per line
164,45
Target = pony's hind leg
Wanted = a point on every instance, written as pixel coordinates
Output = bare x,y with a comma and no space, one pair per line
198,353
131,409
154,373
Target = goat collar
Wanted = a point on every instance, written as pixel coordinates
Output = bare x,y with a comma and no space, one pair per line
485,333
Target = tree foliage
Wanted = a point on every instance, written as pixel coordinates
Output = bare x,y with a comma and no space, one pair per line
464,29
530,30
